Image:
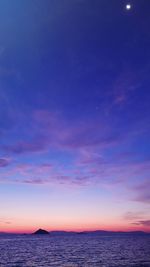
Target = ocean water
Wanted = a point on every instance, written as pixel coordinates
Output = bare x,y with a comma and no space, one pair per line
74,251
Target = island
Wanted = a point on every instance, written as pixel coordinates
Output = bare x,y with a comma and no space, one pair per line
41,232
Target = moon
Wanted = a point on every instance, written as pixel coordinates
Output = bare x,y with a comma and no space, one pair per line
128,6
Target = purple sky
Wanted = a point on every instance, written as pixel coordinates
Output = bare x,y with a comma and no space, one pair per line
74,115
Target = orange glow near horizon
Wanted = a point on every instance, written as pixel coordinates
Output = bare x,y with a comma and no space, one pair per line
20,229
71,210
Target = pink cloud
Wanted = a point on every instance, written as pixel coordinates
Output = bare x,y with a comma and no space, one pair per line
86,141
100,173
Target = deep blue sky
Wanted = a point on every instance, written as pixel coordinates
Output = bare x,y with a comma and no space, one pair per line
74,106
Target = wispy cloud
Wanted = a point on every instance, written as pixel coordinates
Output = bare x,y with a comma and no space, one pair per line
142,191
125,84
143,223
4,221
43,130
131,216
46,130
4,162
85,142
139,218
22,147
84,171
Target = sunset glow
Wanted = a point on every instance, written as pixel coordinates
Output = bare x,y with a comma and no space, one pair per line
74,116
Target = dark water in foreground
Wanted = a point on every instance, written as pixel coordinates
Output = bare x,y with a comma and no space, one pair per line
74,251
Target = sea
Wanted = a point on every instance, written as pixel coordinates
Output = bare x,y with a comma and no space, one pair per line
74,251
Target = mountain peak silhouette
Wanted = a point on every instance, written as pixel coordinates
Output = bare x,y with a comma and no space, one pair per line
41,232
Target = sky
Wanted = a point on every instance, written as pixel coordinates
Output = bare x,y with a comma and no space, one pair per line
74,115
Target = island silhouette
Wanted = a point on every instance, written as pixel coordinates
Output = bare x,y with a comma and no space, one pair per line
41,232
96,232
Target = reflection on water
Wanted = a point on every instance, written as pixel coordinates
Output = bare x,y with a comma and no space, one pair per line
74,251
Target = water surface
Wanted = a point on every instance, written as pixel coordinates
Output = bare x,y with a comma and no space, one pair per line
74,251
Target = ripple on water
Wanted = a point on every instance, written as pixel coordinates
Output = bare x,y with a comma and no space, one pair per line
75,251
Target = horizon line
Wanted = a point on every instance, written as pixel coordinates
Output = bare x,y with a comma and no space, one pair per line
77,231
